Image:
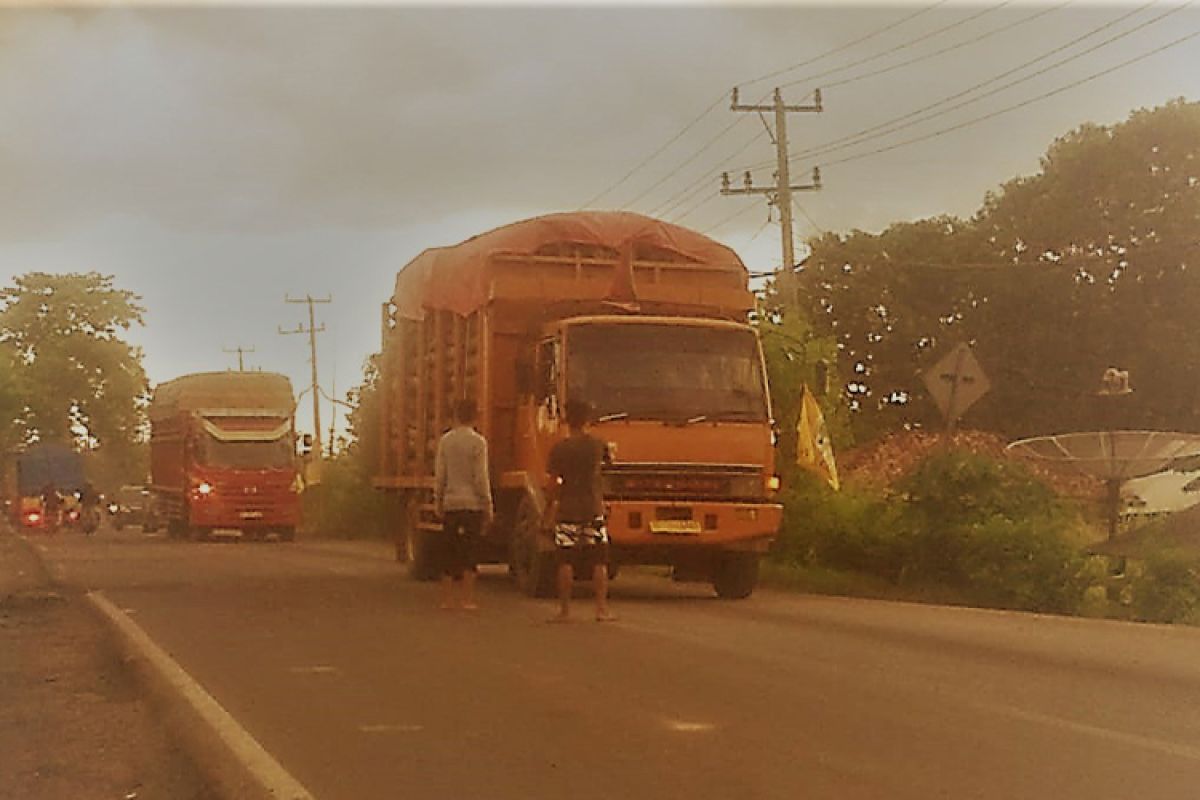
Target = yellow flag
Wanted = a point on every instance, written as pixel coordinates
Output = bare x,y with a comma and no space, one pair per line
814,451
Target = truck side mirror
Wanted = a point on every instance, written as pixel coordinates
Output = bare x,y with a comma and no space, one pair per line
306,444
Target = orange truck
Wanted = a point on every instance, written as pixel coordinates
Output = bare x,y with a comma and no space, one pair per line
645,320
223,455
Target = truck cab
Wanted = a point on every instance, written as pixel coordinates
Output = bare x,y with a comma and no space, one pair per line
683,405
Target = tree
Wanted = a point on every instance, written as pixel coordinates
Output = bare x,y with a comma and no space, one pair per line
79,378
797,357
1085,265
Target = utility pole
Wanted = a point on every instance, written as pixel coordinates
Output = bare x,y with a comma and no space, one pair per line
240,351
312,330
333,411
779,195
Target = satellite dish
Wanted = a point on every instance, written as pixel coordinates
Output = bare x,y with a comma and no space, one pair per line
1112,456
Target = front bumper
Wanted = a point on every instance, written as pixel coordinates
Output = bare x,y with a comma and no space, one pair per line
747,526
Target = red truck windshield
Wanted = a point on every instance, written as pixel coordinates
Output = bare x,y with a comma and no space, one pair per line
667,372
275,454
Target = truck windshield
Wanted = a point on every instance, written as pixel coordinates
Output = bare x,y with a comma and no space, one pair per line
668,372
245,455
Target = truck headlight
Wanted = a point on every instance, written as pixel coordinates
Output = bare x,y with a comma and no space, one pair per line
773,483
205,488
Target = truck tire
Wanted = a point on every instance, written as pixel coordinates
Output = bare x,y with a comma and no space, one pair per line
421,566
736,576
532,567
287,534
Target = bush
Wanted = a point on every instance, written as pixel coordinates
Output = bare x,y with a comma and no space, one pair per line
849,530
984,528
346,505
1167,589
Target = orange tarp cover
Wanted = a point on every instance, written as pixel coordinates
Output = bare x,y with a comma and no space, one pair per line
259,391
455,278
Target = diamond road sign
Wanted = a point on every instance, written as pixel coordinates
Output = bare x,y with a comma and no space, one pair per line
956,382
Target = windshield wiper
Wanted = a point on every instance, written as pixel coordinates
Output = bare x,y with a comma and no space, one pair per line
613,417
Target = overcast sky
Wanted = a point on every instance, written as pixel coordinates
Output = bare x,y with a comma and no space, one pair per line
215,159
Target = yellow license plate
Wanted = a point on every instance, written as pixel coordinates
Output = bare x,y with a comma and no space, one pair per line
686,526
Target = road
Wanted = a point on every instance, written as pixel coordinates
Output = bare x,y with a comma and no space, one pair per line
345,672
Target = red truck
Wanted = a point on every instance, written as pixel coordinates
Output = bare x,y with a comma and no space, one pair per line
223,455
645,320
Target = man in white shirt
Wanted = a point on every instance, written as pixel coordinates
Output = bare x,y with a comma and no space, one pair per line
463,499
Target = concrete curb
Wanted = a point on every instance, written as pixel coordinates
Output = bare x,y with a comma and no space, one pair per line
235,763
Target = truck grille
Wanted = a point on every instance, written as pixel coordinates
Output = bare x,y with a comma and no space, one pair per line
682,481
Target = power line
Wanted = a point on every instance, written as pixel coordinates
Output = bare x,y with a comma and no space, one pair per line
1022,104
705,200
899,47
699,184
891,126
834,71
956,46
686,161
739,213
662,148
847,45
656,153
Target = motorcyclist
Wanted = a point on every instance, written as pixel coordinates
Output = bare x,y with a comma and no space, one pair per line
51,506
89,507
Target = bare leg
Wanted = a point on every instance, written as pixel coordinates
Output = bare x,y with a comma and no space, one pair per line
468,590
566,577
448,593
600,582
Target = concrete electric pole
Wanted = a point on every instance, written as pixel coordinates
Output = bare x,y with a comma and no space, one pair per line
240,352
312,330
779,195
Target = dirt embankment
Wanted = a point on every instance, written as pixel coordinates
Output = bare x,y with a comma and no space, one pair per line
73,725
881,463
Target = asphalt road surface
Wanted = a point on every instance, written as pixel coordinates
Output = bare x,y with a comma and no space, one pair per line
344,670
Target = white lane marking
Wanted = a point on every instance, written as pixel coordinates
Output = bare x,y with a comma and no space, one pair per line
682,726
391,728
316,669
1137,740
269,773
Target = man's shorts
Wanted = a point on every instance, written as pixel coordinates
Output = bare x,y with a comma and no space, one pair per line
583,545
460,541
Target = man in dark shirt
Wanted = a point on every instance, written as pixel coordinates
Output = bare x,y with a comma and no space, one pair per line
576,511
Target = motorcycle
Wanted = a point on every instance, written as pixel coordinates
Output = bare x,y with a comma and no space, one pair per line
90,519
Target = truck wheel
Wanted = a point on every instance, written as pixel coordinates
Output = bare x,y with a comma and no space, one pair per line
736,576
532,567
421,566
287,534
176,529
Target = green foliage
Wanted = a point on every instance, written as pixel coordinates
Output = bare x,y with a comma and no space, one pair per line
350,506
345,504
1088,264
76,373
982,528
1167,589
848,530
796,357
